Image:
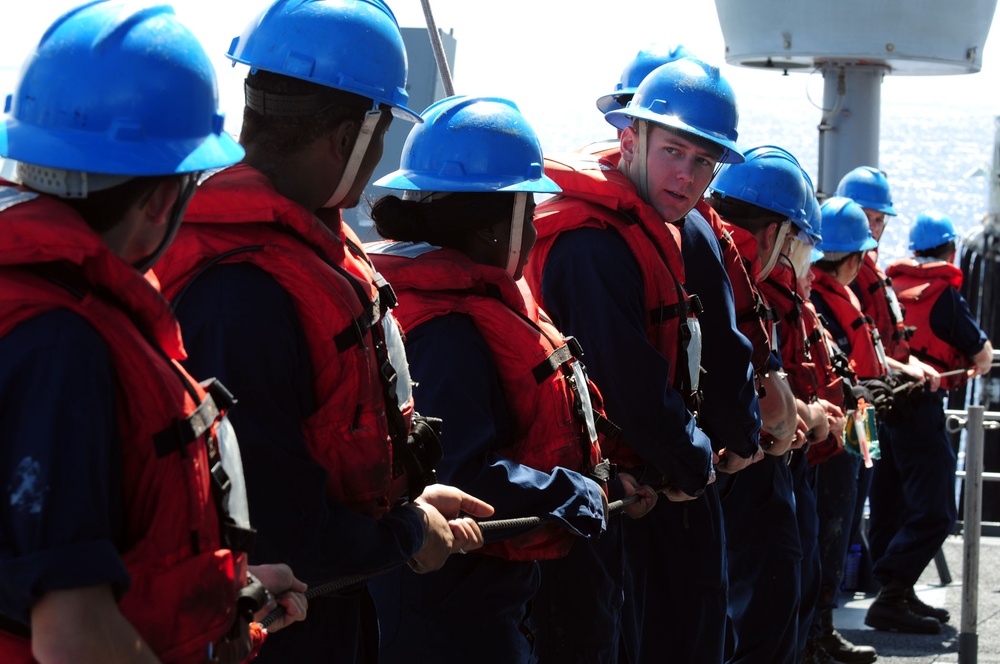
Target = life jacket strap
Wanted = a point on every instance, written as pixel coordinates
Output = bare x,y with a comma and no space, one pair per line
556,359
180,432
877,286
603,472
690,307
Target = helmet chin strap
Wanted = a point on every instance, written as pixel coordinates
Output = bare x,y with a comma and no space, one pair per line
640,157
779,241
358,153
184,196
516,233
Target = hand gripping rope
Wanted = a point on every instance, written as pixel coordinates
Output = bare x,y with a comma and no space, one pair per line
486,526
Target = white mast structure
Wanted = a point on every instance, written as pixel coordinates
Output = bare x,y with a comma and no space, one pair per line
855,44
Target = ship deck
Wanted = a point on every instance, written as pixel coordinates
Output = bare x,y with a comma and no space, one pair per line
944,647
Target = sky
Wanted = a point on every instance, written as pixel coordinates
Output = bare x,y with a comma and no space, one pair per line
552,57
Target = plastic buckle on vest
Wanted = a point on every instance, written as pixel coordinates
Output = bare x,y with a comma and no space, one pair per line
551,364
385,292
575,347
354,333
235,538
603,472
423,452
183,431
223,398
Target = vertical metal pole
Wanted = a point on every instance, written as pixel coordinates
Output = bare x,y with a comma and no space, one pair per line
968,639
849,130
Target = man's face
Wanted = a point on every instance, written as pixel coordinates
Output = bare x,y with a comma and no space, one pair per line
677,170
876,222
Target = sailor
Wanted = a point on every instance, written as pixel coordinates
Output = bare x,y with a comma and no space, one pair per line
869,188
608,267
124,533
806,357
912,497
763,202
583,622
845,238
522,420
281,302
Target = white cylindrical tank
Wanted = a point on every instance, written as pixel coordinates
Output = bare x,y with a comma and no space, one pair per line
912,37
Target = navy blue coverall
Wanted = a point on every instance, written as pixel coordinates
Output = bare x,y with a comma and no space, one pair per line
241,327
837,491
476,603
675,568
61,520
761,538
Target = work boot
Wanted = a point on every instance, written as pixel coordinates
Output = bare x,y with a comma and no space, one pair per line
839,648
816,654
891,612
922,609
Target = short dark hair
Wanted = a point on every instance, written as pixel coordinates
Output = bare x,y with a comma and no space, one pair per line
703,143
747,216
940,251
103,210
832,265
445,222
283,134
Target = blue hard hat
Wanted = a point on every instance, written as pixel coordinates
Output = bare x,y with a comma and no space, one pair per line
646,61
770,178
931,229
845,227
350,45
120,90
688,95
869,188
471,144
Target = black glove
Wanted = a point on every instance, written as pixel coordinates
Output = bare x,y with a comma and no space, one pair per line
882,396
904,385
859,392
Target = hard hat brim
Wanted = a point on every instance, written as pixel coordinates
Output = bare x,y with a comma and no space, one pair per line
145,156
407,180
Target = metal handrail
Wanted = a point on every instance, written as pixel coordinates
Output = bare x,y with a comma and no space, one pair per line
986,477
975,425
988,415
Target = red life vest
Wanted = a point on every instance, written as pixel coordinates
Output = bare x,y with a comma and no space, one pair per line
754,318
534,364
879,301
919,285
846,309
595,194
238,217
803,350
183,582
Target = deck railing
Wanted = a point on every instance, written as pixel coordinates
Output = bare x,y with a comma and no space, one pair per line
975,421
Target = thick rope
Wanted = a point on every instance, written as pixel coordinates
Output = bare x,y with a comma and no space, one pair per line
438,48
486,526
